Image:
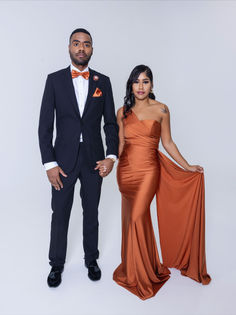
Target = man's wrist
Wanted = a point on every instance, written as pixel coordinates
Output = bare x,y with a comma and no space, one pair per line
113,157
50,165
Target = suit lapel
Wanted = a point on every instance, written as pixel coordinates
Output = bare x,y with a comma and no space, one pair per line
91,89
71,91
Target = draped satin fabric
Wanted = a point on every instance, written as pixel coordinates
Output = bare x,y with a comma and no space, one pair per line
143,172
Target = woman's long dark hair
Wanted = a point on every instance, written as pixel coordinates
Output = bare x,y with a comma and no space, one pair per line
129,97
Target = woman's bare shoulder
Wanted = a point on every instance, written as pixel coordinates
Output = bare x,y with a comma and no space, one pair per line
159,107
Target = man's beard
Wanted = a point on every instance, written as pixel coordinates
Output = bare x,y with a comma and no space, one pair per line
80,63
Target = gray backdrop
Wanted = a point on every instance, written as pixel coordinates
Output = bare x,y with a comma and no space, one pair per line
190,46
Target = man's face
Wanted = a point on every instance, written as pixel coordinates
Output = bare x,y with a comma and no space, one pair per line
80,49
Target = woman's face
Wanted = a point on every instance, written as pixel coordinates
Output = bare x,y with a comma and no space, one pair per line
142,86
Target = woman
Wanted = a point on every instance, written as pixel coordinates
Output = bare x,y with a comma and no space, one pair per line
144,172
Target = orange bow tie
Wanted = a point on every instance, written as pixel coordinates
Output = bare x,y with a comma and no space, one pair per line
75,74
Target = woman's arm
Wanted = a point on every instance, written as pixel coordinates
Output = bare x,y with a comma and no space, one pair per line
121,130
169,144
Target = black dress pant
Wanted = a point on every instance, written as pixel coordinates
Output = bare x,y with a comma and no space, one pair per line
62,201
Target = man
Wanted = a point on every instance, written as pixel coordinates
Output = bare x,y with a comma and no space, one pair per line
79,96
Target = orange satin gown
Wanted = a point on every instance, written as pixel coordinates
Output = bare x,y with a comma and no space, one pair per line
143,172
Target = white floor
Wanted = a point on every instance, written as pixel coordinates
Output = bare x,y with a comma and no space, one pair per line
24,267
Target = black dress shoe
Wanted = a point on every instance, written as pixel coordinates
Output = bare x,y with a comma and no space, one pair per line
54,277
94,272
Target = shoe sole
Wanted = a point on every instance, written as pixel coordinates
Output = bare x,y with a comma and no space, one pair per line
93,278
54,285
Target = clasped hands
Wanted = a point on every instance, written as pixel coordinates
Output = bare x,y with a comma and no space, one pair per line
104,166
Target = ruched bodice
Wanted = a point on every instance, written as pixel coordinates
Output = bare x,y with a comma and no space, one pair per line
148,136
143,172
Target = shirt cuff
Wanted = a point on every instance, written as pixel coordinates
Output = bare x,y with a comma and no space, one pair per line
50,165
112,156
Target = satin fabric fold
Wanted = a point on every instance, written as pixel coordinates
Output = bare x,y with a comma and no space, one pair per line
181,219
143,172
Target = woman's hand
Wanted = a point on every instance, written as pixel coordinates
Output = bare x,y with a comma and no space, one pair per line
194,168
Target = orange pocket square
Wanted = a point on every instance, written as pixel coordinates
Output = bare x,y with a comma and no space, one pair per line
97,93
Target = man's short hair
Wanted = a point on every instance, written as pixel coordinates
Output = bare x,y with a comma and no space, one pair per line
81,30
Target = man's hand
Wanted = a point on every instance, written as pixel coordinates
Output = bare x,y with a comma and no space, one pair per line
105,167
54,178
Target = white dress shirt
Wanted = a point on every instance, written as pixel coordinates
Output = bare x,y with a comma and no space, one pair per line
81,93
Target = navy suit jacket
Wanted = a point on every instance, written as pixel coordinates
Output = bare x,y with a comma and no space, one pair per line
59,100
